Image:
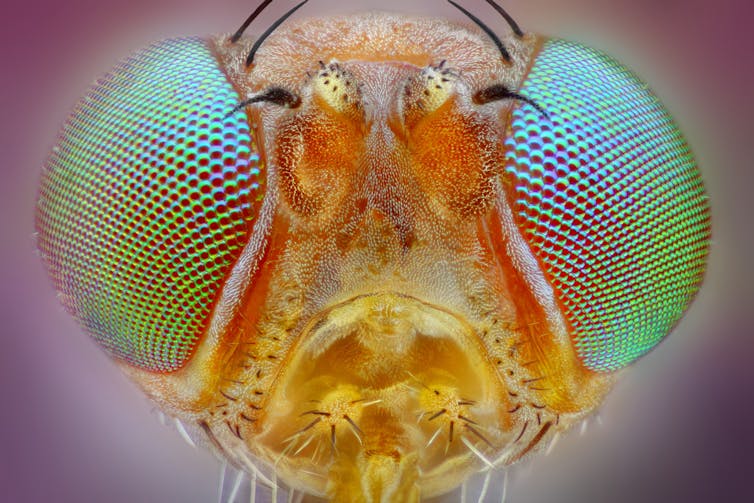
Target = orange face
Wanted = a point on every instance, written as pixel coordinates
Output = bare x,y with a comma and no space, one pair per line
391,314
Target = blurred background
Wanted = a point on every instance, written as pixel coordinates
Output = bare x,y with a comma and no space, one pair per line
677,427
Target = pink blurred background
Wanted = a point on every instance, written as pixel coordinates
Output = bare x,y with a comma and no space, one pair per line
678,427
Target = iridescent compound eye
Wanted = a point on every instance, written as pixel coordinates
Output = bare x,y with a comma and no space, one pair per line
147,200
608,196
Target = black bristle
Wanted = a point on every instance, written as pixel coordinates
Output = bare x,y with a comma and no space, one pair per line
503,51
273,27
252,17
514,26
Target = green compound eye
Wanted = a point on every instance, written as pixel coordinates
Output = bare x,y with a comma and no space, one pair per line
610,200
147,201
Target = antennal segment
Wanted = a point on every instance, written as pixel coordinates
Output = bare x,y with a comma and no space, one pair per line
273,27
503,51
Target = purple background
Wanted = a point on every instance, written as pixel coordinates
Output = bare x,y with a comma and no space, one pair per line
678,427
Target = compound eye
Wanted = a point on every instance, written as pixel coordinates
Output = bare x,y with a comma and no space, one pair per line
147,201
611,202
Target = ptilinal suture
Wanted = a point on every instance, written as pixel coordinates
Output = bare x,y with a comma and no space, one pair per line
385,396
